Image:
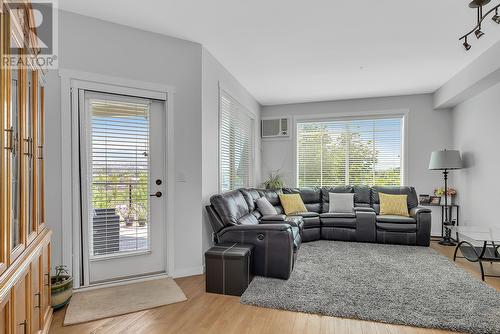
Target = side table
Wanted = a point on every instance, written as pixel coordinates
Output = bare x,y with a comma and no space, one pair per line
446,238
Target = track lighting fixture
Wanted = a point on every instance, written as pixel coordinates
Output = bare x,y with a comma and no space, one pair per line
479,6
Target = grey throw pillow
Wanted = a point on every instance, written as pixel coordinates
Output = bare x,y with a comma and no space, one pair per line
265,207
341,202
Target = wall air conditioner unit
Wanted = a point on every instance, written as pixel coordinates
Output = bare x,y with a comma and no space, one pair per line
275,128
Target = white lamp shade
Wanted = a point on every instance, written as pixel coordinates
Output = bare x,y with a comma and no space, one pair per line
446,159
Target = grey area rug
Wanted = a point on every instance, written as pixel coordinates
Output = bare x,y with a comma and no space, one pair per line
405,285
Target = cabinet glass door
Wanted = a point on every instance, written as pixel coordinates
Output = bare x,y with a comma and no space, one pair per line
15,172
40,168
4,107
28,180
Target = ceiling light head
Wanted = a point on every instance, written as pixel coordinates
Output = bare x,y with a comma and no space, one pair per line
496,17
467,46
479,33
479,3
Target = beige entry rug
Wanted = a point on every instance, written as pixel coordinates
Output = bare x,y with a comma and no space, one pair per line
122,299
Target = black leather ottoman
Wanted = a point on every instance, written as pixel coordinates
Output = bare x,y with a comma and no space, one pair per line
228,268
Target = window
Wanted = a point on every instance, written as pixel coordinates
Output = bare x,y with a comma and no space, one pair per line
354,151
236,141
120,176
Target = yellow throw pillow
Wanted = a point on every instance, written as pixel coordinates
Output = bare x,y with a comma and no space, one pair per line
393,205
292,203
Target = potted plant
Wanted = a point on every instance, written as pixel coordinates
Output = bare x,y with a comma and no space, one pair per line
127,214
275,181
141,213
450,193
61,288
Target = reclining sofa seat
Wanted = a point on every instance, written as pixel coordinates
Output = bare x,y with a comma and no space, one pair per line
234,218
412,230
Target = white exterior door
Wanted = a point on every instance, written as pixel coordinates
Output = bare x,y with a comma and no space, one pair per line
123,164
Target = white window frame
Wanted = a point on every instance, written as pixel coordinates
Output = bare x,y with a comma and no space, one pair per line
253,138
381,114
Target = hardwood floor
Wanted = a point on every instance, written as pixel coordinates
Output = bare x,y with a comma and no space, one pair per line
210,313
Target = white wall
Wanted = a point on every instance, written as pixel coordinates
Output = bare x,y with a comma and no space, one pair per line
96,46
428,130
214,74
476,135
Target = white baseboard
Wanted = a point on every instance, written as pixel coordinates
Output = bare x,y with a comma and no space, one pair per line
184,272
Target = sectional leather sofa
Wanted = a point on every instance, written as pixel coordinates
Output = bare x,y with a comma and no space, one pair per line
235,218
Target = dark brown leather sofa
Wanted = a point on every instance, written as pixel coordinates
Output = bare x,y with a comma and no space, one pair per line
235,218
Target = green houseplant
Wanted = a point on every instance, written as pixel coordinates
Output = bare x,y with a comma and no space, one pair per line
274,181
61,288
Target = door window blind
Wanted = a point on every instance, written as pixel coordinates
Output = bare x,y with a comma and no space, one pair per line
236,141
355,152
120,177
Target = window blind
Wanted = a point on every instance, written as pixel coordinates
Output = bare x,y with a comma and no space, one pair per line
236,141
355,151
120,177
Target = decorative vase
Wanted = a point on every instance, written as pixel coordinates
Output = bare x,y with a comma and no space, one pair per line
61,292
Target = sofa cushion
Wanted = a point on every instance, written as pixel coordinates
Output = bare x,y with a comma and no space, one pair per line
265,207
292,203
341,202
231,207
248,219
362,195
273,198
396,227
325,197
395,219
393,205
310,196
250,195
412,199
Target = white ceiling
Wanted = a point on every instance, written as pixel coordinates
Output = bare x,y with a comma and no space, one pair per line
286,51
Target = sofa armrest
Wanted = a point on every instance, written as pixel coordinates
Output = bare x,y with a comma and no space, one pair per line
363,209
365,226
273,247
280,218
294,221
423,218
414,212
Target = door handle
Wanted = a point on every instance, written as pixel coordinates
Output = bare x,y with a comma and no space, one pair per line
156,194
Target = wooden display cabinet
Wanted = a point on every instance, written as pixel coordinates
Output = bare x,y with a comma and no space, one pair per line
24,239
